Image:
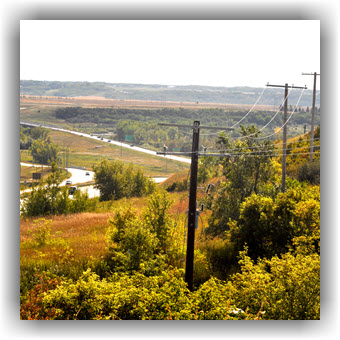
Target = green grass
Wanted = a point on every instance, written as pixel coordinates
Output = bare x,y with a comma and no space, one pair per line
86,152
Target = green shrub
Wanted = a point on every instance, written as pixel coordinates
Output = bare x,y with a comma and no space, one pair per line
116,180
41,231
130,241
309,173
268,226
137,238
286,288
49,198
138,297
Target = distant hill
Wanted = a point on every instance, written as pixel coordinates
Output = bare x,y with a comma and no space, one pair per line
192,93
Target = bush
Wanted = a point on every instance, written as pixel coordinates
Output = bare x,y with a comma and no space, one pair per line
116,180
268,226
309,173
135,297
135,238
132,242
53,200
286,288
49,198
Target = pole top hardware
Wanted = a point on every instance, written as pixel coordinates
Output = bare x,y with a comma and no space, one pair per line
292,86
197,126
190,153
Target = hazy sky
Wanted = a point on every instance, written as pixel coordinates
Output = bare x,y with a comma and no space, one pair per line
172,52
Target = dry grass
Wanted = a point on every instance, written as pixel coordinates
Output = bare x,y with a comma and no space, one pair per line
93,101
84,232
27,171
178,177
82,236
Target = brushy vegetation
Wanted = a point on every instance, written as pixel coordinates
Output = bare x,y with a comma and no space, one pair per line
257,253
116,180
139,276
289,291
49,198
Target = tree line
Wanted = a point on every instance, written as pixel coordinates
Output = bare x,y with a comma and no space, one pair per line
191,93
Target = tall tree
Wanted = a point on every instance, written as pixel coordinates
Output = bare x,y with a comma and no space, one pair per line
44,151
246,169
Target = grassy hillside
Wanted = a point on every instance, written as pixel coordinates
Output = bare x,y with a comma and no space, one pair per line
86,152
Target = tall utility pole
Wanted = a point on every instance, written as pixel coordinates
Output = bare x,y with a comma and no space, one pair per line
313,113
284,141
189,265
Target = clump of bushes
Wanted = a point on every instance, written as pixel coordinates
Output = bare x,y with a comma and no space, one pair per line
309,173
116,180
285,289
49,198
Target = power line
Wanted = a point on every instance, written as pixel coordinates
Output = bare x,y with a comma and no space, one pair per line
252,152
222,152
208,134
261,146
284,103
250,109
285,123
283,188
274,155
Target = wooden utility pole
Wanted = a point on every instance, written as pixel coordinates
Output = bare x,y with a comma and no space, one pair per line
284,141
189,265
313,114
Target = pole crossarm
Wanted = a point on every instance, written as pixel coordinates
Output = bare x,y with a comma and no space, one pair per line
190,153
214,154
198,126
173,153
310,74
292,86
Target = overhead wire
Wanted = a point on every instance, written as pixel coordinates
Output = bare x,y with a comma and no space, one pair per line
261,146
274,150
223,151
286,98
263,137
249,110
276,155
216,133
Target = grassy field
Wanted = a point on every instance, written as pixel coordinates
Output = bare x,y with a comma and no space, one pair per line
27,171
83,233
91,101
86,152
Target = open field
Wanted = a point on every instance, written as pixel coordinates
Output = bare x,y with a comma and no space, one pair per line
85,233
90,101
27,171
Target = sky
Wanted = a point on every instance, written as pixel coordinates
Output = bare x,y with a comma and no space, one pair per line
171,52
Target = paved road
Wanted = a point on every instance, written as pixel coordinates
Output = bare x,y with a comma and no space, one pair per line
124,145
78,176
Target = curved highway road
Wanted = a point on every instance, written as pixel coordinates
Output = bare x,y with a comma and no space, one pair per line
79,176
124,145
